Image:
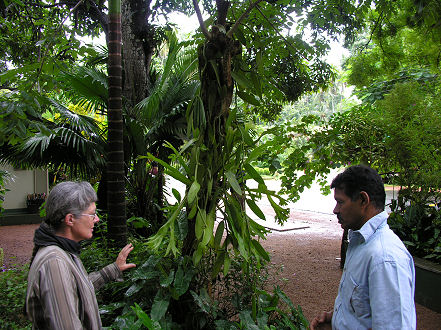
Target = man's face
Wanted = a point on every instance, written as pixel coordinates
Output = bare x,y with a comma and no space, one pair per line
349,213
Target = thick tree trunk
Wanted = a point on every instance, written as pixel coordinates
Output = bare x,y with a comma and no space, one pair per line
117,225
217,94
138,46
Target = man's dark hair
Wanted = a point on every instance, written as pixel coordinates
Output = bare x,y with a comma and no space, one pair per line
358,178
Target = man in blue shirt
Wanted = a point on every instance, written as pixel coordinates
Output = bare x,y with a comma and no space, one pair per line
378,282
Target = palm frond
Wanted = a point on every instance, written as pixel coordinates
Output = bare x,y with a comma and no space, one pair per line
87,87
76,121
69,139
174,88
100,58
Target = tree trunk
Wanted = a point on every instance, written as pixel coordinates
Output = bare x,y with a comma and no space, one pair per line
137,37
117,225
343,248
215,60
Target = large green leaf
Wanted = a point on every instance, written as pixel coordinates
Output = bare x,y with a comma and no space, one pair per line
170,170
256,209
219,233
160,305
249,98
183,279
253,173
193,191
134,288
208,231
145,319
233,182
242,80
260,250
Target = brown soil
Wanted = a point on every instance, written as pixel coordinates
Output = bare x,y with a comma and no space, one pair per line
307,259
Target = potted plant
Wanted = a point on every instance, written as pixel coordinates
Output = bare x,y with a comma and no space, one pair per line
34,201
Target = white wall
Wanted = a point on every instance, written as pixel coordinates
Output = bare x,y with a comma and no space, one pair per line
23,182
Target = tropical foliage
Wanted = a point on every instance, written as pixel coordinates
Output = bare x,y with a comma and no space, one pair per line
395,128
189,119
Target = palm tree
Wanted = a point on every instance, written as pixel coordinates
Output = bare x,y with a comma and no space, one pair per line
158,118
116,204
61,140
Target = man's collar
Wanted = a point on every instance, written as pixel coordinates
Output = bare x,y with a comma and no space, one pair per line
370,226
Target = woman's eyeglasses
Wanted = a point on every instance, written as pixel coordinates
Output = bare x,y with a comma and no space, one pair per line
93,216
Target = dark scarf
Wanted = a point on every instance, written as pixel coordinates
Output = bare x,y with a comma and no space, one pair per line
45,236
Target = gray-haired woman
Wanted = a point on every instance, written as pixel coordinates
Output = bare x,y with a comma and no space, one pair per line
60,294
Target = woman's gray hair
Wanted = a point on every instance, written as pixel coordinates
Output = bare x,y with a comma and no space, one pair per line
68,197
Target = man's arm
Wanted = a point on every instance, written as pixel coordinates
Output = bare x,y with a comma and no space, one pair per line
391,296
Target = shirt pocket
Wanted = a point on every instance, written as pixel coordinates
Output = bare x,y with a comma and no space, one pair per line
359,300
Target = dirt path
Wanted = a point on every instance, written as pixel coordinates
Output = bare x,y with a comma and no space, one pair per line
309,271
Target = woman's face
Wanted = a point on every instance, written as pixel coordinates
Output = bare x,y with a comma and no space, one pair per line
83,224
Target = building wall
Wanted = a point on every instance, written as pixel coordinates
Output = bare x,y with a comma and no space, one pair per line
24,182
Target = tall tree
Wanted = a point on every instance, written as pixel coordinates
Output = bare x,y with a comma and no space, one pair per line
245,51
116,203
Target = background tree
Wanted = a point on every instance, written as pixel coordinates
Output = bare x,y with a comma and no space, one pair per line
395,68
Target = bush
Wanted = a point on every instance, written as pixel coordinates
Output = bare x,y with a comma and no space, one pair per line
171,293
419,227
13,284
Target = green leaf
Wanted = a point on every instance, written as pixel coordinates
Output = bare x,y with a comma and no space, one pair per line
242,80
253,173
219,233
246,136
176,194
233,182
240,36
145,319
227,263
218,264
256,152
183,279
256,210
197,255
248,98
178,155
208,231
170,170
193,191
193,210
160,305
187,144
260,250
134,288
144,274
166,281
200,224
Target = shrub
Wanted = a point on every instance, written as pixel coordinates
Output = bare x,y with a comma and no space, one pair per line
419,227
171,293
13,284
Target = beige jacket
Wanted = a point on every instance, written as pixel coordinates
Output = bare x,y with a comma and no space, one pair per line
60,294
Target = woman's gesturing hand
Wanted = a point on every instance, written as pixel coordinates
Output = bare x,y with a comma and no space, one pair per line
121,260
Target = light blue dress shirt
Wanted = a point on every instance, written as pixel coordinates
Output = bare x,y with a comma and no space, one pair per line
378,281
